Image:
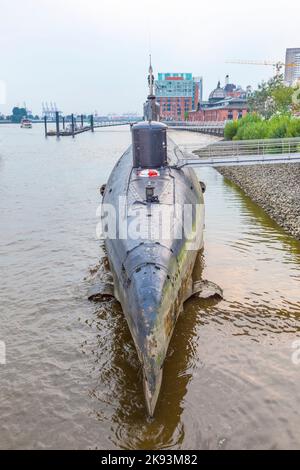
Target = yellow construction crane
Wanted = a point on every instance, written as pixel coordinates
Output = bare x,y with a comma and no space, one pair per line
277,65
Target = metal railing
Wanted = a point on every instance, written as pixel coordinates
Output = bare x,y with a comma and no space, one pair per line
112,123
250,147
244,152
219,124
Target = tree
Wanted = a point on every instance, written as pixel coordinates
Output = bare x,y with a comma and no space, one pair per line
296,100
282,96
272,97
18,114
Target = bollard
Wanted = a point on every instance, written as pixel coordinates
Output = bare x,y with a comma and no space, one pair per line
92,123
72,117
45,126
57,123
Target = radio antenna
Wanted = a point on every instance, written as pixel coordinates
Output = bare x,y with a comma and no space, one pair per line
150,78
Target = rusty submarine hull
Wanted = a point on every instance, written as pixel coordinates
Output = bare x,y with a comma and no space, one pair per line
152,222
151,253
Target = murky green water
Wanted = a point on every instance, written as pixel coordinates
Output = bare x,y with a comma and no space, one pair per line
72,377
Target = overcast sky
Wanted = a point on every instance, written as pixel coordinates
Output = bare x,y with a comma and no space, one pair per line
93,54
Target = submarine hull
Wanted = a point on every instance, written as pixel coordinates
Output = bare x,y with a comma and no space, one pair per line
152,247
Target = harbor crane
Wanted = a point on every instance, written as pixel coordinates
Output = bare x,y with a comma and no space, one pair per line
277,65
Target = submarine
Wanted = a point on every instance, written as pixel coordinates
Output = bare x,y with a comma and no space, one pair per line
151,265
152,242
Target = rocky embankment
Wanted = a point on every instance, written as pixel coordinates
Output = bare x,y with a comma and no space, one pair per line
276,188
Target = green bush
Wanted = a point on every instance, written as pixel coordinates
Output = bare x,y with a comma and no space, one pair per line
293,129
230,130
253,130
253,126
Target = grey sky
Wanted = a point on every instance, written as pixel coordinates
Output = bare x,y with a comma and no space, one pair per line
93,55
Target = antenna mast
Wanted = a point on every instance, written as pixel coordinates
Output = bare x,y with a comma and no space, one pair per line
151,79
151,108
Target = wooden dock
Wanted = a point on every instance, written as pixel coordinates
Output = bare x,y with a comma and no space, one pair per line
73,129
63,133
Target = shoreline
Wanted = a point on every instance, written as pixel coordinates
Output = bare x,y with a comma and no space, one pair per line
275,188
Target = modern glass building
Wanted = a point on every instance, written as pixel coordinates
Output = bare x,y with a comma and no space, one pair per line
177,94
199,82
292,57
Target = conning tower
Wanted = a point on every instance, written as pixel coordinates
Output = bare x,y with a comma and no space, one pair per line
149,137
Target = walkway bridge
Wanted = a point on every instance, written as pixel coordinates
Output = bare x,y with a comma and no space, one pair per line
245,152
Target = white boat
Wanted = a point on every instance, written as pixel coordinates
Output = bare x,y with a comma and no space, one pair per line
26,123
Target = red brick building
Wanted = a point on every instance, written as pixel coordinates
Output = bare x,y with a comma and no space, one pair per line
224,103
177,94
230,109
174,108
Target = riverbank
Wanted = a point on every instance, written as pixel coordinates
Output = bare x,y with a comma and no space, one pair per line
275,188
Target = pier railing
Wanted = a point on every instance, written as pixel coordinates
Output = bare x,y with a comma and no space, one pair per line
205,127
250,147
191,124
243,152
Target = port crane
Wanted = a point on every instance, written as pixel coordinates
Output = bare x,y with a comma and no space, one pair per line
277,65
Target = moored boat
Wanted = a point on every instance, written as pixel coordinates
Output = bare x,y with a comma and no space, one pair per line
26,123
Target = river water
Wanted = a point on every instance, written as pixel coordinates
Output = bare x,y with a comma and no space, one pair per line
72,377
